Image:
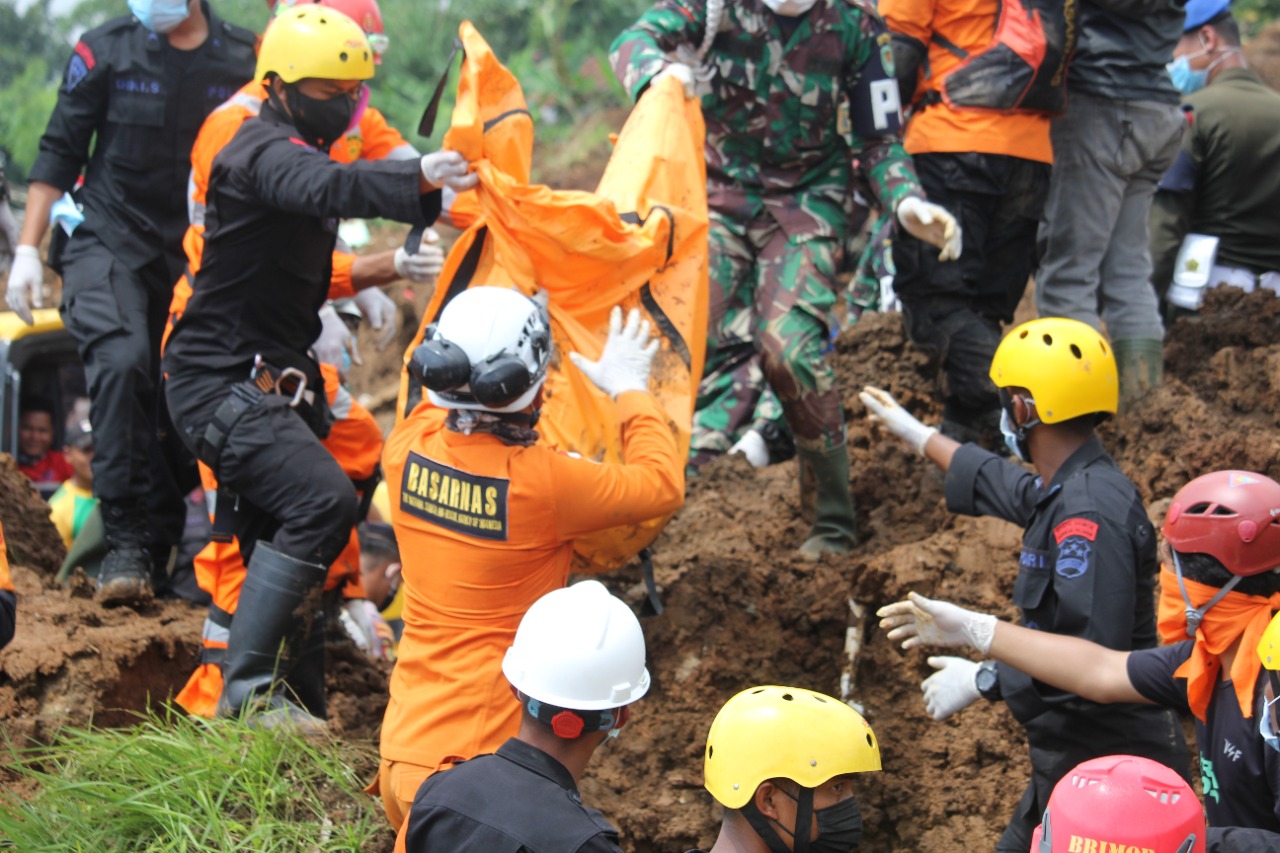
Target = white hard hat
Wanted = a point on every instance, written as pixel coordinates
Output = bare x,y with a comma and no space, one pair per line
489,351
579,648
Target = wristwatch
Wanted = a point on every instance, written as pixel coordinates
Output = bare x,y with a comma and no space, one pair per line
987,681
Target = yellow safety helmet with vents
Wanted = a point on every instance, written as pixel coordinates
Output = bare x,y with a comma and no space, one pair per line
784,733
1269,645
1067,366
314,41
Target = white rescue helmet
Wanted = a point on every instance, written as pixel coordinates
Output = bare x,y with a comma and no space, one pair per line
579,648
489,351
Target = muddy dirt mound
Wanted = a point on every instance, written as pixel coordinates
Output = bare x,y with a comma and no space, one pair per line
742,610
31,538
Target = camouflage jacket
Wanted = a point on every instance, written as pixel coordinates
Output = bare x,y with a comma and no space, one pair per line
786,115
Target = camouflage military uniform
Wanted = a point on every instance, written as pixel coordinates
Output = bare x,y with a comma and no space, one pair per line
779,185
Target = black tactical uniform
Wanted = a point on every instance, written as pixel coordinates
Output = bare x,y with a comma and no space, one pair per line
140,103
271,226
517,800
1087,569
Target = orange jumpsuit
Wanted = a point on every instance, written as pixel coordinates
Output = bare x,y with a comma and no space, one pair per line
485,529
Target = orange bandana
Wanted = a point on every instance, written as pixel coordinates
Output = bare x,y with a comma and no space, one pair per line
1236,616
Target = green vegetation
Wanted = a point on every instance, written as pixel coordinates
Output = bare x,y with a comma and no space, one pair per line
175,783
558,49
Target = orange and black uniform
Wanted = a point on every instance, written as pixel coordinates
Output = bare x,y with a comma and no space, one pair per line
273,205
8,600
485,529
371,139
990,169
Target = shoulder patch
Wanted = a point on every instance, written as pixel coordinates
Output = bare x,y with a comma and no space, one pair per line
1073,557
455,500
1081,527
77,70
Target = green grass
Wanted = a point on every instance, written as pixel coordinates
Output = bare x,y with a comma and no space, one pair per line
174,783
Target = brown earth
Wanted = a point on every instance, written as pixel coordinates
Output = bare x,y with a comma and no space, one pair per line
740,609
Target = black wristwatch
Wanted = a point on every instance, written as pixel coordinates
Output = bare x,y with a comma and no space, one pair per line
988,681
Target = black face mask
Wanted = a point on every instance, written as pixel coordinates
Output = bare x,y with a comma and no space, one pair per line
839,828
320,122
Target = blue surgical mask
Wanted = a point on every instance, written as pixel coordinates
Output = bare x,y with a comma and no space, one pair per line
1265,729
160,16
1185,78
1012,440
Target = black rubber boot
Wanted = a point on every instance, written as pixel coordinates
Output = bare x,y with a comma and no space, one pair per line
824,487
125,576
306,679
278,606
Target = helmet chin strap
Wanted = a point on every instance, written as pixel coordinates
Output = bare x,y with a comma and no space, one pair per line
764,825
1195,615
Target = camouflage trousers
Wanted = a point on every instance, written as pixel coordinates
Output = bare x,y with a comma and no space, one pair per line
772,301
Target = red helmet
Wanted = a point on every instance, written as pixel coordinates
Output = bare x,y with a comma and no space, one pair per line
364,12
1231,515
1122,802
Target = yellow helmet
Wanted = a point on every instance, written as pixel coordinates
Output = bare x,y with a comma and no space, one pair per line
784,733
1066,365
314,41
1269,645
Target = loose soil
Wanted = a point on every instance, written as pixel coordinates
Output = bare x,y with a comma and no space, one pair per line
740,608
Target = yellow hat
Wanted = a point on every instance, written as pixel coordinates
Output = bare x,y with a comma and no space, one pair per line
1066,365
1269,645
784,732
314,41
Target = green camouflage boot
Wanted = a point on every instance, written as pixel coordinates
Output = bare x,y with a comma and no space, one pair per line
825,498
1140,362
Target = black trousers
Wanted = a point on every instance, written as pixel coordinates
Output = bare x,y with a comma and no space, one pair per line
957,307
292,492
116,313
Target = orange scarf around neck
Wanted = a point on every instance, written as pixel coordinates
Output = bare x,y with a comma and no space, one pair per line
1236,617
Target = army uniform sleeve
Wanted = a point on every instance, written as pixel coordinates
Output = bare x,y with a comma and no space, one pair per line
81,109
875,116
1171,213
640,52
981,483
592,496
292,176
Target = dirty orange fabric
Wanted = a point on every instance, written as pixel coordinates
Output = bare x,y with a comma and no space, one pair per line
372,139
396,784
485,529
6,579
639,240
355,440
1236,617
970,25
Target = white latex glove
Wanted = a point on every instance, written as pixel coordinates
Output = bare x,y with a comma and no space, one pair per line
952,688
753,446
422,266
628,353
681,72
381,312
26,283
334,337
921,621
365,625
8,235
883,408
448,169
932,224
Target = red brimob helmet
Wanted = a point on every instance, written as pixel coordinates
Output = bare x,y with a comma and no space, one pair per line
1122,802
364,12
1231,515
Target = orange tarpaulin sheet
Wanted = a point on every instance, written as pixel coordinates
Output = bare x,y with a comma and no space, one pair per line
640,240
